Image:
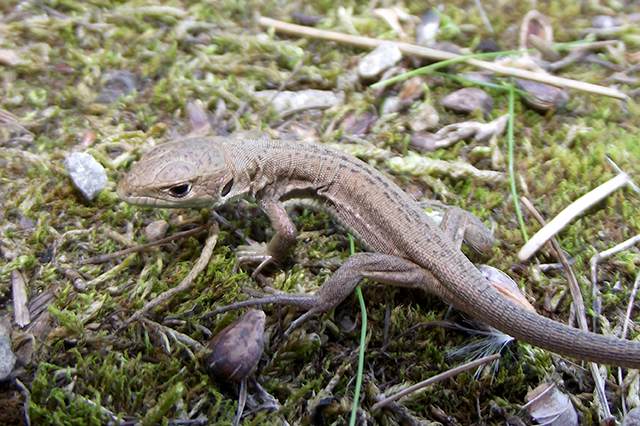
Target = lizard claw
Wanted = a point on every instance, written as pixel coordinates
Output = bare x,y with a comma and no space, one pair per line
254,254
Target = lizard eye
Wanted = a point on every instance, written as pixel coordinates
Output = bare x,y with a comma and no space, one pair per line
226,188
180,191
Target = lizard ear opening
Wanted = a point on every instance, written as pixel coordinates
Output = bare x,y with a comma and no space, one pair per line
180,191
227,188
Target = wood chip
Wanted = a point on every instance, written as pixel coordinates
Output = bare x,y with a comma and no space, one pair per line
19,292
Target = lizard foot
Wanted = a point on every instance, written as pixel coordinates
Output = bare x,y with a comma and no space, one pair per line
258,253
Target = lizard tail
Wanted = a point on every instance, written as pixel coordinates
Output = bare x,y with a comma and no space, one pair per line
481,300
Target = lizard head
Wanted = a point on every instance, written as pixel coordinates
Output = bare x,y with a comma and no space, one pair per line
187,173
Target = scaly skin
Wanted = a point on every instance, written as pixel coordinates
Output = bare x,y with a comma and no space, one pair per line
409,249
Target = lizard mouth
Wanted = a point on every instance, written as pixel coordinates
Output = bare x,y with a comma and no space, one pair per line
126,193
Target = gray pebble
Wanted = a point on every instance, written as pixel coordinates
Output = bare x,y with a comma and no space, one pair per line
86,174
7,358
382,58
468,100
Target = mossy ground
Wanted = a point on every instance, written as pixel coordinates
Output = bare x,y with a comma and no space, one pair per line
181,51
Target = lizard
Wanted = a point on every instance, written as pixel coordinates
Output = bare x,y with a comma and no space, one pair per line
405,247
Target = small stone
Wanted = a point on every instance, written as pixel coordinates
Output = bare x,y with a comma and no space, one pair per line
603,21
412,89
347,324
303,99
390,105
7,357
306,20
428,28
487,45
479,76
9,58
347,82
358,125
236,350
544,97
25,223
424,118
382,58
156,230
117,84
86,174
468,100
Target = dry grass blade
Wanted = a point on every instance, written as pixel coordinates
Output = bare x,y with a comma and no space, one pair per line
107,257
568,214
625,245
7,117
184,284
578,304
632,299
436,379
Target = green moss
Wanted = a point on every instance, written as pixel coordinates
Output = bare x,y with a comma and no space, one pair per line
83,366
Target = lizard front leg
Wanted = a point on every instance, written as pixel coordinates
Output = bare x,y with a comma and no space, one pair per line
283,239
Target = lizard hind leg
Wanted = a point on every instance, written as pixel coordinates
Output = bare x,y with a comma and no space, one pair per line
461,225
378,267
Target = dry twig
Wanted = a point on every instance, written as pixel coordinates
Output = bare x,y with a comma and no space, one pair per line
568,214
435,379
439,55
578,306
107,257
202,262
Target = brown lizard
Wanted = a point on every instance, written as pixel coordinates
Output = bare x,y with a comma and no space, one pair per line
407,248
